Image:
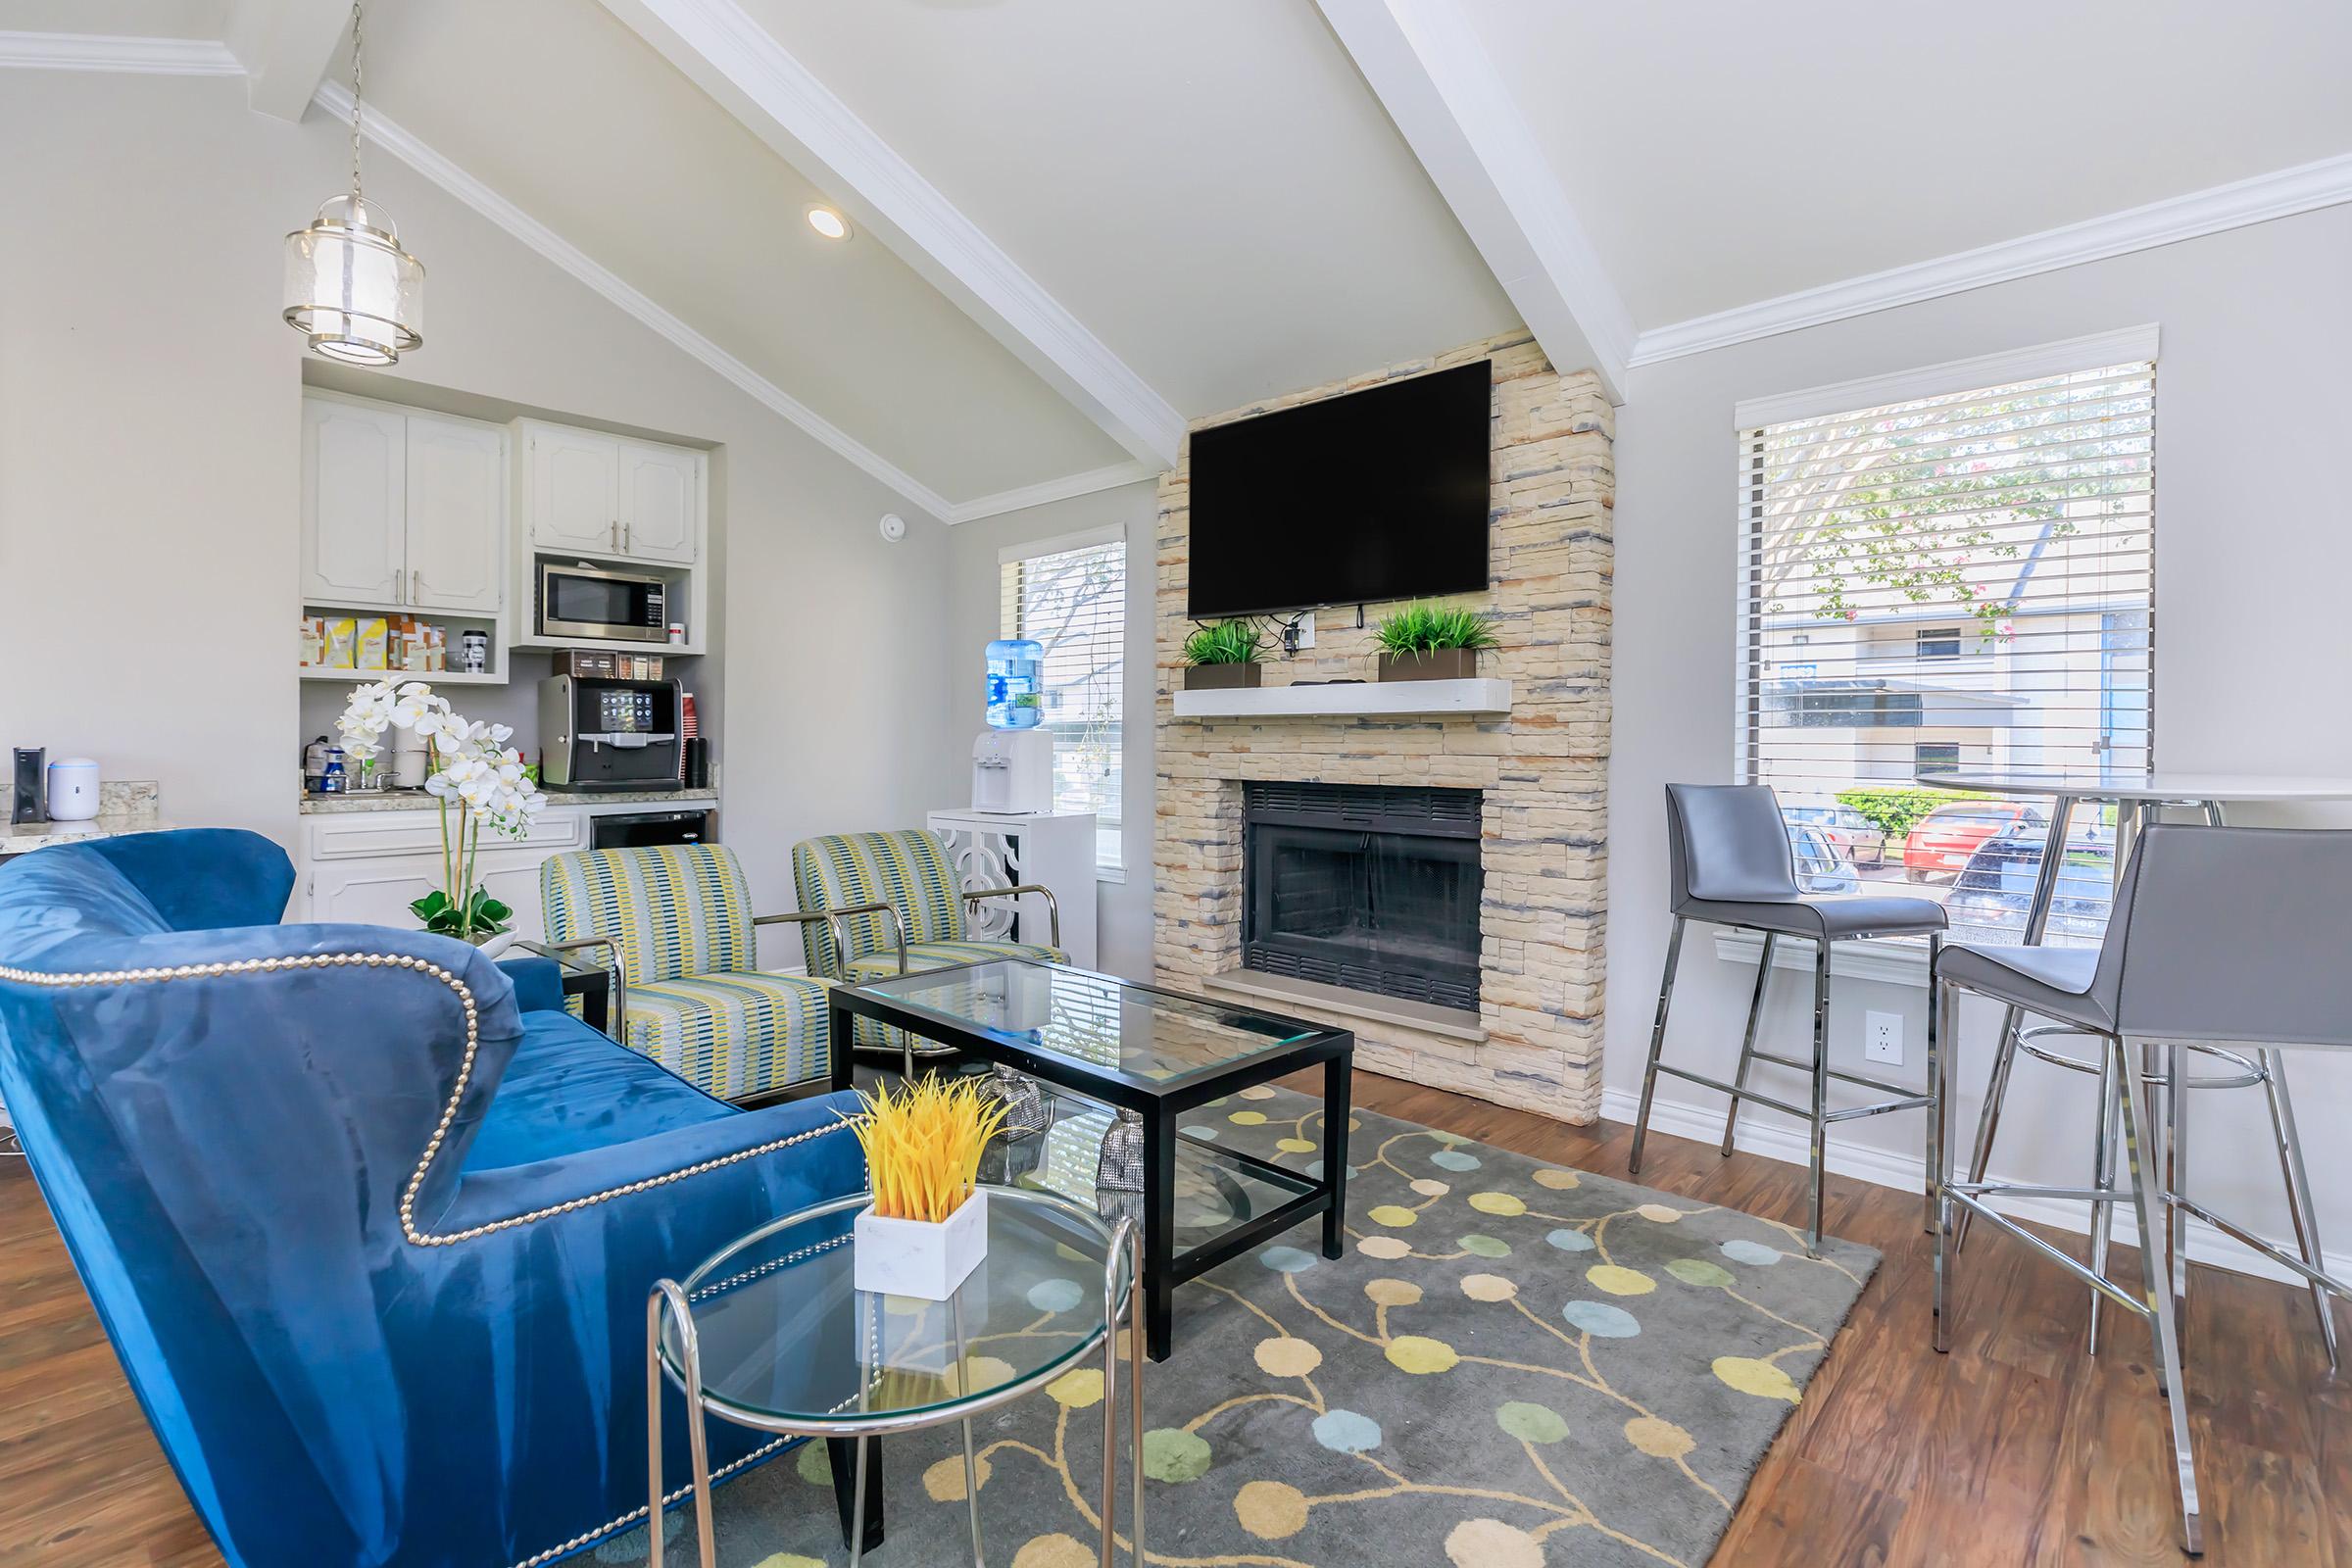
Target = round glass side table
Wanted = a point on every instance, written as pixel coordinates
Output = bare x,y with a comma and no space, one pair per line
771,1332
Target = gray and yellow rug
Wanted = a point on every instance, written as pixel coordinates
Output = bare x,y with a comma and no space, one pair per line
1515,1365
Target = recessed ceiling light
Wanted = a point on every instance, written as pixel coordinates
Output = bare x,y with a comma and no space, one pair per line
828,222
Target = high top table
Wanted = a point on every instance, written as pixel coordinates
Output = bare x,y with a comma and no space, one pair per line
2137,795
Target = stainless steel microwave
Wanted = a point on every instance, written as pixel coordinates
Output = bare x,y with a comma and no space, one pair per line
583,600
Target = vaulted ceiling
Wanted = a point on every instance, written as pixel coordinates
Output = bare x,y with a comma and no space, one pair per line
1077,224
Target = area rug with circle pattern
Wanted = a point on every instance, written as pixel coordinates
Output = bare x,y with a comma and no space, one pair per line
1515,1365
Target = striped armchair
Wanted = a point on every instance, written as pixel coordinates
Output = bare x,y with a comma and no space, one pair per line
688,991
924,926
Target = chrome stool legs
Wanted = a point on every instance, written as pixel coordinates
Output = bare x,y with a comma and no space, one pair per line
1815,1113
2298,1194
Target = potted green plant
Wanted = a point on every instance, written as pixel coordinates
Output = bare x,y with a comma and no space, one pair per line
1222,654
1432,642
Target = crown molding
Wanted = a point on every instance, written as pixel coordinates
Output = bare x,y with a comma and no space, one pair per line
97,51
2305,188
1064,488
720,47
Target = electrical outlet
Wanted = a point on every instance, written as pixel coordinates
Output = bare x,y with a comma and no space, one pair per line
1299,633
1882,1038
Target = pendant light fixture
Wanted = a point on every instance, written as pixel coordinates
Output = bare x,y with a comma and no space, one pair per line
349,288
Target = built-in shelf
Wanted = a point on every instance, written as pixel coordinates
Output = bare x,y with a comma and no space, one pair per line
433,677
1365,699
666,650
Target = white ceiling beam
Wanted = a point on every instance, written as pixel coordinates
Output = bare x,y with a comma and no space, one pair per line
1424,64
717,45
285,47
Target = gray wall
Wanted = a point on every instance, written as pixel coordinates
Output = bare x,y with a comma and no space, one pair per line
2253,645
150,461
1124,911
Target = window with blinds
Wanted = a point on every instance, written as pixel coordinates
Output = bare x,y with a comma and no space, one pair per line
1070,596
1956,581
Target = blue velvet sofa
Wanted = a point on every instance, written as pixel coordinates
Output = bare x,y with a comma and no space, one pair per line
369,1219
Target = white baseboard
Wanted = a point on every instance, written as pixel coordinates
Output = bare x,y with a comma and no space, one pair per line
1776,1137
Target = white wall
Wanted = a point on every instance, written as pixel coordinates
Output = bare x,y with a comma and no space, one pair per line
2253,647
149,461
1123,911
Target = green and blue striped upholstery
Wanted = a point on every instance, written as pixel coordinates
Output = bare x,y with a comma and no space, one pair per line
734,1035
675,909
698,1002
909,870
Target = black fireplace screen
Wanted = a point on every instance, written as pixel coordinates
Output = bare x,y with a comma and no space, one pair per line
1367,887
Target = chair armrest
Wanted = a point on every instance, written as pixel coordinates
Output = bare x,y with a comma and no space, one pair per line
841,949
796,1153
1053,905
618,1020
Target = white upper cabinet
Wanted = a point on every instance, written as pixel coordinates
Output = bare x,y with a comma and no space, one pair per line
609,495
457,504
571,488
353,502
660,500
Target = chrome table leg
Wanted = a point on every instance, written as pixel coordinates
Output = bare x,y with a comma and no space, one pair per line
971,1461
1937,1049
2102,1177
2176,1179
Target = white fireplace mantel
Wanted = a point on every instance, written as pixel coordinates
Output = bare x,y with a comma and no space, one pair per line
1395,699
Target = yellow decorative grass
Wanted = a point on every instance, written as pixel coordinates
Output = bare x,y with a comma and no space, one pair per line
923,1142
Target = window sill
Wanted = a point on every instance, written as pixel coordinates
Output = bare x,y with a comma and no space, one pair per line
1889,961
1110,873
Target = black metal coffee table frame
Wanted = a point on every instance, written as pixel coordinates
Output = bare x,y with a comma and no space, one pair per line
1160,1104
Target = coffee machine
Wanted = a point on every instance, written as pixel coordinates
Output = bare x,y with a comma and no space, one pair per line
1012,772
608,734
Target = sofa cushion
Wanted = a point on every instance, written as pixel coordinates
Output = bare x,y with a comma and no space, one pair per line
735,1035
571,1088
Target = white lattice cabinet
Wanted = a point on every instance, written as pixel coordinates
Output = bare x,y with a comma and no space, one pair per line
1054,850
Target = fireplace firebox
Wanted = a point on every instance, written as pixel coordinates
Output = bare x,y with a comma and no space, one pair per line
1369,887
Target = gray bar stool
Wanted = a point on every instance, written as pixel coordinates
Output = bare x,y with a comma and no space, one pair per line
1730,864
2218,935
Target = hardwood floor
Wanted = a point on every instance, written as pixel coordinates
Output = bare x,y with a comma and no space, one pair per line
2016,1449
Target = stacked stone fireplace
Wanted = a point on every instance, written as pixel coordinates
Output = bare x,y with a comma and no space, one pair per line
1436,884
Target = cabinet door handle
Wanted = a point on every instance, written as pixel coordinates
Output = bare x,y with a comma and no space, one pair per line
625,545
614,537
415,586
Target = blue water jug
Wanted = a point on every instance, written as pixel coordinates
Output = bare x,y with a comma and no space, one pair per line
1017,693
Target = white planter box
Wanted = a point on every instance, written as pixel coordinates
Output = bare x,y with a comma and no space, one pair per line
920,1258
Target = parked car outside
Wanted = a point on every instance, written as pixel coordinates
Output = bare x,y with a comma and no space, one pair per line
1863,841
1993,891
1943,841
1820,865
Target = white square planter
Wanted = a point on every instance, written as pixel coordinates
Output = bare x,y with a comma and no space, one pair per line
921,1258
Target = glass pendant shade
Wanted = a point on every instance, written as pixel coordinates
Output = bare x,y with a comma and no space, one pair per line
350,287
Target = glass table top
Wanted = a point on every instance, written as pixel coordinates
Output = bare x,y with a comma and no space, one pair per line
784,1333
1094,1019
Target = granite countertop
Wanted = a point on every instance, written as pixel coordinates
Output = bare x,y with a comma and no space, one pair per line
419,801
123,806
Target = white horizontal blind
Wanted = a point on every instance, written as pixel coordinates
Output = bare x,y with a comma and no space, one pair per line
1073,600
1959,580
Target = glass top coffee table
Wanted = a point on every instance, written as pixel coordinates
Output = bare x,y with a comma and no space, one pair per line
1152,1055
773,1334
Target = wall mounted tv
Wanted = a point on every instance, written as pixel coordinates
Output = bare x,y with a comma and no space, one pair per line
1377,495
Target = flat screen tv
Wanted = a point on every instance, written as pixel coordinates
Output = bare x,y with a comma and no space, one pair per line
1378,495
